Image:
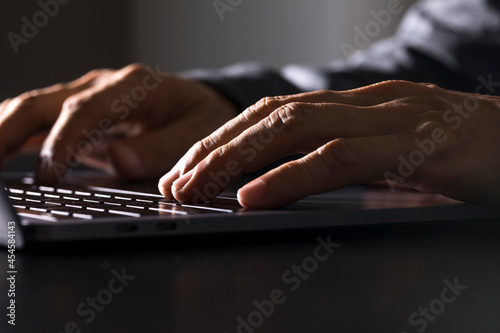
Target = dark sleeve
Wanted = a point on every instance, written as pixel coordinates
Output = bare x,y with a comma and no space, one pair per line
452,43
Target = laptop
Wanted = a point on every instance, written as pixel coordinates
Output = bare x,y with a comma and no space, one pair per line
90,206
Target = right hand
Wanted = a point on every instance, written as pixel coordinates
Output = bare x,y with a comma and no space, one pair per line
134,121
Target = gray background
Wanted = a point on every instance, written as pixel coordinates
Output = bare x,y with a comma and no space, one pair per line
177,34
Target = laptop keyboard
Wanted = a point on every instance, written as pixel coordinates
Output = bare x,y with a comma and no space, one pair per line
79,202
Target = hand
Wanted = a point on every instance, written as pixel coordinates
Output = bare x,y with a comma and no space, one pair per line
409,134
134,121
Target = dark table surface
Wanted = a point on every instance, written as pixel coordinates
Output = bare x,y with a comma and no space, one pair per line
443,277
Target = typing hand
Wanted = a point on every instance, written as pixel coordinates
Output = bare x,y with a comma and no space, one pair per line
134,121
409,134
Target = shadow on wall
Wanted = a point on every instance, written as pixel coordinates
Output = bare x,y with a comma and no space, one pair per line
50,41
47,41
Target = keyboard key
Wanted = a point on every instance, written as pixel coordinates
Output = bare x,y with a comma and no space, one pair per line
96,209
46,188
74,206
135,207
86,203
37,215
43,210
122,198
60,212
124,213
82,216
86,194
112,203
53,196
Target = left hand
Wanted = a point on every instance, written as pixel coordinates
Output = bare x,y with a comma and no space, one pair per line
418,135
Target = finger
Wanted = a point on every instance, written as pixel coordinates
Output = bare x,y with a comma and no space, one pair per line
234,127
338,163
17,123
293,128
385,91
151,153
372,95
31,112
87,118
252,116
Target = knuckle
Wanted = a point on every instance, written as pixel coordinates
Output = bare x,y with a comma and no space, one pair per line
430,86
198,148
202,148
281,98
205,145
71,103
262,108
96,72
28,99
249,113
221,151
4,103
291,116
267,102
93,74
439,131
91,77
393,83
28,102
406,85
134,70
324,92
59,86
338,154
430,121
76,103
385,87
411,86
216,155
302,173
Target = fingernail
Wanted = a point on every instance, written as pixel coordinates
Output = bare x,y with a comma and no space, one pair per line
252,194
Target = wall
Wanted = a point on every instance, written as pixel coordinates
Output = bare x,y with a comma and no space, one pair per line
80,36
181,34
77,36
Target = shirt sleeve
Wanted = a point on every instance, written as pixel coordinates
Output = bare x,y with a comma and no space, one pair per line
452,43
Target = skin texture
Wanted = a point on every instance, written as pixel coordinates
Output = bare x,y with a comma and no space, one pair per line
409,134
123,121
